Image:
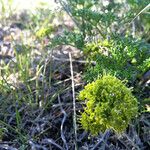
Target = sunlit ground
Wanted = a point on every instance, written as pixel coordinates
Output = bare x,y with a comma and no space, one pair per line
19,5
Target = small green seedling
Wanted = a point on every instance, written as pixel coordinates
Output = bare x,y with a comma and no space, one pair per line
109,105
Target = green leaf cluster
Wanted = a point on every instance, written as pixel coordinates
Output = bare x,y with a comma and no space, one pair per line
98,19
91,16
109,105
45,31
124,56
68,38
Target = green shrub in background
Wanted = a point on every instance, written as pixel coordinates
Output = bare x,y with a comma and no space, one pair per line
124,56
98,19
69,38
109,105
91,18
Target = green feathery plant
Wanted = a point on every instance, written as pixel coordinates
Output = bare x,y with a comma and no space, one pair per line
109,105
126,57
90,18
98,19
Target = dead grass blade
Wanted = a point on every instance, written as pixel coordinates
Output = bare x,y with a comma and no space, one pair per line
74,102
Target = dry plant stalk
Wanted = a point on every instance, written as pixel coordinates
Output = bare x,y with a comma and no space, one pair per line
74,101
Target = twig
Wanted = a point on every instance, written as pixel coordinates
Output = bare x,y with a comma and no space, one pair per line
131,141
74,102
66,104
143,10
123,143
73,60
105,135
5,146
67,9
52,142
62,123
36,146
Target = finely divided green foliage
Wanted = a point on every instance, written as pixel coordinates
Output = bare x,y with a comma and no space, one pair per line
124,56
91,18
109,105
69,38
102,18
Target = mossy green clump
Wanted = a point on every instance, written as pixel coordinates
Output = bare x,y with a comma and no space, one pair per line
125,57
109,105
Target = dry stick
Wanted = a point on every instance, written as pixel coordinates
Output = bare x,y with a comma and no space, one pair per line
73,60
105,135
6,146
66,104
62,123
67,9
51,141
143,10
131,141
74,102
36,146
